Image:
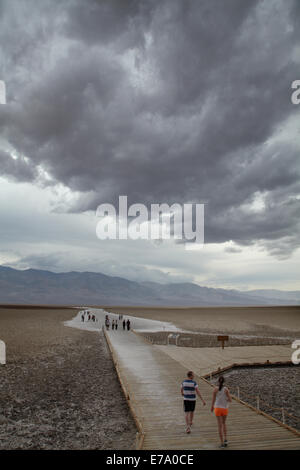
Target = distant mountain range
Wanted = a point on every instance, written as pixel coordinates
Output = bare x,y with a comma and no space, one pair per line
33,286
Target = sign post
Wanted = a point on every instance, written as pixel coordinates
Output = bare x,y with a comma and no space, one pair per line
223,339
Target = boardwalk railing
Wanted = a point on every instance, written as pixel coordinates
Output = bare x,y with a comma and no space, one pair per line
208,379
256,398
209,340
133,406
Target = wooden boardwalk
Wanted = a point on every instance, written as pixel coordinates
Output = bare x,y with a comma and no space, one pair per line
151,382
206,360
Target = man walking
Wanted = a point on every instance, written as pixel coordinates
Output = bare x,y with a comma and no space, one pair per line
189,388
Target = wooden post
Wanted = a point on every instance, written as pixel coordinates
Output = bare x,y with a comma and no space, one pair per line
137,440
283,416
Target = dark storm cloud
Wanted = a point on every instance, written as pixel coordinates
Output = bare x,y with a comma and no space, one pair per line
16,168
121,22
171,101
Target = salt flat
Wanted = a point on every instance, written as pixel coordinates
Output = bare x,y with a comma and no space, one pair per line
271,320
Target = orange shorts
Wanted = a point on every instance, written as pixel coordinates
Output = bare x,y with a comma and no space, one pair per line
221,411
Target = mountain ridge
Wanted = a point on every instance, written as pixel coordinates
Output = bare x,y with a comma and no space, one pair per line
34,286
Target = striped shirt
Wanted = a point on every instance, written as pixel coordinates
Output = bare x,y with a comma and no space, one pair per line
189,389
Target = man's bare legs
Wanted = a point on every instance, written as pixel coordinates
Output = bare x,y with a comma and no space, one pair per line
188,421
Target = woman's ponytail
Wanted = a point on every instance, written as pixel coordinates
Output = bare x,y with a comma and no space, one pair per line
221,382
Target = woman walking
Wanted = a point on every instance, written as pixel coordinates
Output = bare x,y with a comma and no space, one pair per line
220,399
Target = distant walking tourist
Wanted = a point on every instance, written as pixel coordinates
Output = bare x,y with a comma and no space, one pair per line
128,324
220,400
189,389
107,323
124,324
116,324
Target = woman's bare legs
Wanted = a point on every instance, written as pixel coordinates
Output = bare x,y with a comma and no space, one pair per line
220,428
224,427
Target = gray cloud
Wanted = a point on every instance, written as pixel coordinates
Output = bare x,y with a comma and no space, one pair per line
163,101
231,249
122,22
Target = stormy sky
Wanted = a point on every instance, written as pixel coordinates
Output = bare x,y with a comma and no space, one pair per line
169,101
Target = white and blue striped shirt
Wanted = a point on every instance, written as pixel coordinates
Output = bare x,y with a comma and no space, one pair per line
189,389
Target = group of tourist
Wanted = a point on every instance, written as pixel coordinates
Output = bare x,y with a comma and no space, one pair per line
220,400
114,323
86,316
